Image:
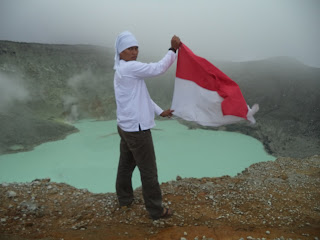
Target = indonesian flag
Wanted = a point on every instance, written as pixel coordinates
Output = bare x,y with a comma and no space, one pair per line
205,95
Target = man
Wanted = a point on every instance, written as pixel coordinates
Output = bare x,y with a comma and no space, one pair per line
135,118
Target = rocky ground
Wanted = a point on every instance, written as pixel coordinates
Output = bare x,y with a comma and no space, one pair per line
269,200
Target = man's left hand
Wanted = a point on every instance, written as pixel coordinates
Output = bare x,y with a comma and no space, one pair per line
167,113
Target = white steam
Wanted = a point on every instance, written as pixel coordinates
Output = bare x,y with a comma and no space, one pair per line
80,84
83,82
90,94
12,90
70,105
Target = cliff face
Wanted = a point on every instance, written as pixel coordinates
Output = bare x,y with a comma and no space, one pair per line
58,76
42,85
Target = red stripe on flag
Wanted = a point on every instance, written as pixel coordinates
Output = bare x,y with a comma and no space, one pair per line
200,71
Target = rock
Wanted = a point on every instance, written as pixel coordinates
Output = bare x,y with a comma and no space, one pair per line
11,194
29,206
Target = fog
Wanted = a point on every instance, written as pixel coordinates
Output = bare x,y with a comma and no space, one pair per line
230,30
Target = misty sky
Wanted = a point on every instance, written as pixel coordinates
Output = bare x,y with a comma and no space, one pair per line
236,30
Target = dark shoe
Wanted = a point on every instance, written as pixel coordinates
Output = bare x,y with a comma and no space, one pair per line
167,212
126,206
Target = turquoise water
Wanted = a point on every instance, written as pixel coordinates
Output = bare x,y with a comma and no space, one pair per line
89,158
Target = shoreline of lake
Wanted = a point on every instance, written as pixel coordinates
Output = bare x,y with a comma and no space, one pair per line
89,158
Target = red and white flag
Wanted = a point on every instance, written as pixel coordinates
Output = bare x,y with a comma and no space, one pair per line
205,95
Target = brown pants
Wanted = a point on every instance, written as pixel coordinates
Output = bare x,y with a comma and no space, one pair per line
136,149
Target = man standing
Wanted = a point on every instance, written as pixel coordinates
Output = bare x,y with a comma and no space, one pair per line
135,118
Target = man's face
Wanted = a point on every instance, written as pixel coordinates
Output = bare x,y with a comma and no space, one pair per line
129,54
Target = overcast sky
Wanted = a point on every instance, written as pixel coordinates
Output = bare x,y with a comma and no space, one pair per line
236,30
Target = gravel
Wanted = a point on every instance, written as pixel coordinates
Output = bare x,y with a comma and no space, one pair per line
280,196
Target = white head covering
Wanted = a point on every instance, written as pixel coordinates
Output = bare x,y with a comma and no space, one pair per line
124,41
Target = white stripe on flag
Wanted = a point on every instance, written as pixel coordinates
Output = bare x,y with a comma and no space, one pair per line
194,103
